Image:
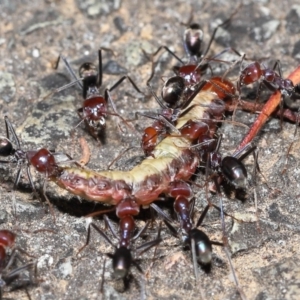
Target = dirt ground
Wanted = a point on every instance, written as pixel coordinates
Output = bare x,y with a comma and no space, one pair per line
33,34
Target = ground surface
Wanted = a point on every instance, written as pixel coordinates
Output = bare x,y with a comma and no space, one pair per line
33,34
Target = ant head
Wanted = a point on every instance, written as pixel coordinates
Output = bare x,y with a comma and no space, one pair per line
203,248
7,239
6,147
122,261
250,74
192,37
43,161
172,91
234,171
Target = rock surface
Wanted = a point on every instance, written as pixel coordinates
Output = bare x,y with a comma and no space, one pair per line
33,35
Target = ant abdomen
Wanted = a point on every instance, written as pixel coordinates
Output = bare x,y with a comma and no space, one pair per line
234,171
173,90
203,247
121,261
6,147
193,37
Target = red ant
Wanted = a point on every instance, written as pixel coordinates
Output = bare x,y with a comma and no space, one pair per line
122,259
198,241
7,240
94,109
191,73
42,160
257,72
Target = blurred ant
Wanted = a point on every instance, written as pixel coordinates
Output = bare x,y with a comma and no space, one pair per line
94,109
7,240
122,259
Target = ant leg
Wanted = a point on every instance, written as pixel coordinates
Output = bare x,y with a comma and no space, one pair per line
152,55
240,60
158,100
89,235
109,99
224,24
158,240
102,278
100,66
161,212
226,250
144,228
71,72
202,216
110,226
119,156
130,80
17,180
48,201
278,66
16,256
10,128
158,50
243,152
146,246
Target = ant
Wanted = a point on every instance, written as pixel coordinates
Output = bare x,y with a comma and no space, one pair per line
191,72
197,240
230,168
42,160
257,72
7,240
94,109
122,258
